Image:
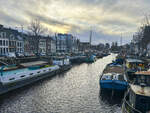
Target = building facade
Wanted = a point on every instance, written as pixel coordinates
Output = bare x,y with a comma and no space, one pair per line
66,43
53,45
61,44
84,46
10,41
4,43
42,45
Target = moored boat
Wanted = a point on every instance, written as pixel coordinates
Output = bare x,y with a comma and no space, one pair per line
90,58
132,66
112,78
28,73
137,98
8,77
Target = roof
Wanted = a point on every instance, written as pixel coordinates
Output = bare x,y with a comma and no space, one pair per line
145,91
32,63
143,73
134,60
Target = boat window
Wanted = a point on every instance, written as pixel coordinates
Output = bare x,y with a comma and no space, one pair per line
148,80
120,77
143,79
107,77
11,78
139,80
38,71
44,70
31,73
23,76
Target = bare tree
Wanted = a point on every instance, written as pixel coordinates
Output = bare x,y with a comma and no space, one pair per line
37,30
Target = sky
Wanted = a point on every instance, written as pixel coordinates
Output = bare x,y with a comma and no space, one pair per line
108,19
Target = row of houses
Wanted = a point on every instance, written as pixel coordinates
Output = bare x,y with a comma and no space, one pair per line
10,41
14,41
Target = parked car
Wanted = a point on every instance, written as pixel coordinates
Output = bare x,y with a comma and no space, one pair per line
10,55
37,54
19,55
42,54
28,54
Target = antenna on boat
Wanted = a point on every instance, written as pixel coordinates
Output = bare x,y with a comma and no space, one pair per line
90,37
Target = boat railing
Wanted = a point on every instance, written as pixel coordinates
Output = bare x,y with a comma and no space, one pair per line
129,108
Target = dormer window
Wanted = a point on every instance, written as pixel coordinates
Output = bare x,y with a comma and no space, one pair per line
3,35
12,37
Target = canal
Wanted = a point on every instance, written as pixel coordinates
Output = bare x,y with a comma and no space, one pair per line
75,91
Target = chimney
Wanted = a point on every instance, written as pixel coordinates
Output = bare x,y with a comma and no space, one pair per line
1,26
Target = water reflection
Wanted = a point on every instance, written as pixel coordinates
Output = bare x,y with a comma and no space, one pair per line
75,91
110,98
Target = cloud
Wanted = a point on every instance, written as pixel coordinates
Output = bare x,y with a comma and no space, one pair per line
108,18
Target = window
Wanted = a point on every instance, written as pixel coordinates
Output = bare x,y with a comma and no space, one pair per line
4,50
6,43
9,43
12,43
7,50
0,42
1,35
3,42
0,50
143,79
4,34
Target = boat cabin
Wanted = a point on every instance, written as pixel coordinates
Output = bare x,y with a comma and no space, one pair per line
135,64
61,61
112,76
131,66
142,78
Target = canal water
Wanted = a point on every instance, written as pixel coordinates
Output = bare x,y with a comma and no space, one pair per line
75,91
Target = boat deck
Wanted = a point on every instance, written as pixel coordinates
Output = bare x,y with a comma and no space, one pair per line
113,69
10,68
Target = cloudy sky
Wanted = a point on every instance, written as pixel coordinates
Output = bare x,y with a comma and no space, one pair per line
108,19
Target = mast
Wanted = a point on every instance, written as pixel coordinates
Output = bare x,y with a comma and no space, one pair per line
90,38
121,40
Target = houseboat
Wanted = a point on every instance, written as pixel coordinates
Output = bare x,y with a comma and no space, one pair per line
63,63
29,72
137,98
132,66
112,78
